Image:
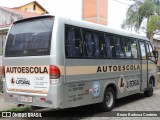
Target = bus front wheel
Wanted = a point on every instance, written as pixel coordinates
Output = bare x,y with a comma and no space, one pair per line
108,100
149,92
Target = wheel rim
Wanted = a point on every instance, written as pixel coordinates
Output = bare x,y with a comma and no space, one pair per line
109,99
151,87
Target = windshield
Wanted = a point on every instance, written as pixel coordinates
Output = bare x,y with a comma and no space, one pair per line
30,38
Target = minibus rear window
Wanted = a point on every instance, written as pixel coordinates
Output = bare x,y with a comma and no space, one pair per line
30,38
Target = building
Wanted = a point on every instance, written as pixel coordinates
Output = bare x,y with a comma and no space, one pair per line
95,11
105,12
33,7
156,44
91,10
9,15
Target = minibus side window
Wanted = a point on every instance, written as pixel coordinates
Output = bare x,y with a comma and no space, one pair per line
150,55
143,50
89,43
127,47
108,45
98,42
93,44
73,42
119,50
150,50
130,47
134,48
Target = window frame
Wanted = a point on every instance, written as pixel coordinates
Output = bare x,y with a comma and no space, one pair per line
82,29
100,34
135,40
25,51
112,35
73,27
141,58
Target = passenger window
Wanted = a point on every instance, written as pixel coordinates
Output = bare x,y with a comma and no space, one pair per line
127,47
143,51
89,43
108,46
93,44
130,47
73,42
134,48
150,52
98,42
119,50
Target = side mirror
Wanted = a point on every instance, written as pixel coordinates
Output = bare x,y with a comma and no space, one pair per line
155,53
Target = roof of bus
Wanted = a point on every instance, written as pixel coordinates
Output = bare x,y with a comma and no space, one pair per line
98,27
94,26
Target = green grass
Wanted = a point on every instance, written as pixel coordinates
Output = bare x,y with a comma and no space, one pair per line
18,109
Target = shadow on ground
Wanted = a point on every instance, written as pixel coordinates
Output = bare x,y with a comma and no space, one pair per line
89,110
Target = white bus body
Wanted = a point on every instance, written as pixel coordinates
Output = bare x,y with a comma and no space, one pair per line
60,63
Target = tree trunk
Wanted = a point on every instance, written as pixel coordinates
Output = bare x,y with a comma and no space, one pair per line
151,39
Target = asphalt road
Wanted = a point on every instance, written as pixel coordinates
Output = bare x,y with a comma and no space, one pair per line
131,104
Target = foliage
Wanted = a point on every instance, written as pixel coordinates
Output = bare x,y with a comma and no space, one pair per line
153,23
141,10
147,9
20,109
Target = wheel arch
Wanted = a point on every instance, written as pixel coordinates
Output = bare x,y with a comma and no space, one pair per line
112,85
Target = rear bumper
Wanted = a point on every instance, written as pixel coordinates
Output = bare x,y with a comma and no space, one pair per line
36,100
51,100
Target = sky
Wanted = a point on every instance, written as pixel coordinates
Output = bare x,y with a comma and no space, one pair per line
61,7
72,8
117,12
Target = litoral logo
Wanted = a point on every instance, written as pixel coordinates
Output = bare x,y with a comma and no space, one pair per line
6,114
12,81
23,82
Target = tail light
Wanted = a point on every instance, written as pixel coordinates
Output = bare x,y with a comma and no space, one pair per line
43,99
54,74
3,71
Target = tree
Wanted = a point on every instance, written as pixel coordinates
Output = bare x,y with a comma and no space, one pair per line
139,11
153,26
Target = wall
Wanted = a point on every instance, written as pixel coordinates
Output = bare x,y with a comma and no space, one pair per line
8,17
30,7
156,44
95,11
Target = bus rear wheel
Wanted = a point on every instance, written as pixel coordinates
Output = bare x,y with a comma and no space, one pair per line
149,92
108,100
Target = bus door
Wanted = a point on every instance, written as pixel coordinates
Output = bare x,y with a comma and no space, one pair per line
144,65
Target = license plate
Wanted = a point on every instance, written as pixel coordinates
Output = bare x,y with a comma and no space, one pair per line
25,99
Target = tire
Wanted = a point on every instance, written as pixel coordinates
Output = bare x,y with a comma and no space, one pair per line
149,92
108,100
